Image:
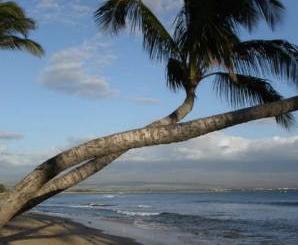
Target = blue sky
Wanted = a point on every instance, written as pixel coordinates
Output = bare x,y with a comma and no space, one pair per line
90,84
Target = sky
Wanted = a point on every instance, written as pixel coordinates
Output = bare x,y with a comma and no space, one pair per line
91,84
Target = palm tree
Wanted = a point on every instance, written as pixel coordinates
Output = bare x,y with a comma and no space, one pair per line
206,43
15,27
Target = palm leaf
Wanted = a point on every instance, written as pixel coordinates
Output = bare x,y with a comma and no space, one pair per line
245,13
14,42
267,57
13,19
12,9
203,34
271,11
248,13
177,74
209,29
20,25
241,90
113,16
14,29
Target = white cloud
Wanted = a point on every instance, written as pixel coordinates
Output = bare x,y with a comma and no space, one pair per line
48,4
215,147
71,12
220,147
10,158
61,11
215,159
163,5
145,100
70,70
10,136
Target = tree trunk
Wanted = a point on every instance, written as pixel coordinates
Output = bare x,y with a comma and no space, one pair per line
91,167
68,180
135,139
84,171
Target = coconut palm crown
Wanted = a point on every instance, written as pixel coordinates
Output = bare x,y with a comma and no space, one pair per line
206,42
15,27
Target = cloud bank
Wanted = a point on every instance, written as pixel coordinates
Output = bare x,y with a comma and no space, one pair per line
68,70
4,136
61,11
214,159
220,147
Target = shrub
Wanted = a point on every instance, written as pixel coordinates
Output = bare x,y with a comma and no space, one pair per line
2,188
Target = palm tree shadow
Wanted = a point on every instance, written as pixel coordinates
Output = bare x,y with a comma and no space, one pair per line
40,232
59,230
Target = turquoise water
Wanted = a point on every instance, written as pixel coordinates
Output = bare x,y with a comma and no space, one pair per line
257,217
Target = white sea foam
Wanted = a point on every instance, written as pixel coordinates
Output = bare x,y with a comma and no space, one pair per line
64,206
108,196
131,213
144,206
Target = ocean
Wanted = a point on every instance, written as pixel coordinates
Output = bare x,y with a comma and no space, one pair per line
232,217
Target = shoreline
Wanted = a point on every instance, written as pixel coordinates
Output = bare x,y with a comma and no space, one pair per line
36,229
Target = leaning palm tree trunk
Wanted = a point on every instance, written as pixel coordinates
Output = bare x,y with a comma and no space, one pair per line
104,146
91,167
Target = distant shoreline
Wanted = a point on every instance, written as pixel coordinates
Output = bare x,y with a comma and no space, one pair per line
161,189
36,229
94,191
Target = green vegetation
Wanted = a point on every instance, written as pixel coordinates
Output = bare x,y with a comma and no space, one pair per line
2,188
15,28
205,43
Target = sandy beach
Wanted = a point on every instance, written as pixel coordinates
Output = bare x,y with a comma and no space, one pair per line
36,229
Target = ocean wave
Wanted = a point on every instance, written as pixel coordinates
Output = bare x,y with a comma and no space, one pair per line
277,203
292,204
188,219
55,214
177,216
88,205
63,206
132,213
100,205
108,196
144,206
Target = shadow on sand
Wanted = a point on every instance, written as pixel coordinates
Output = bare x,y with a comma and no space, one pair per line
38,230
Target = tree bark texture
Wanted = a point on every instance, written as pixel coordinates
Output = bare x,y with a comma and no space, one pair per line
137,138
92,166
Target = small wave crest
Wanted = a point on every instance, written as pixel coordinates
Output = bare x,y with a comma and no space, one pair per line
108,196
292,204
63,206
88,205
132,213
144,206
99,205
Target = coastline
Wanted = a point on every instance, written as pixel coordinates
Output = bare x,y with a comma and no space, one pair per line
35,229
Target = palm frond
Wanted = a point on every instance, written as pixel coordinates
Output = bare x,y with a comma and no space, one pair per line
13,19
248,13
276,58
241,90
15,27
11,8
176,74
114,15
25,44
271,11
245,13
209,29
204,31
12,26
